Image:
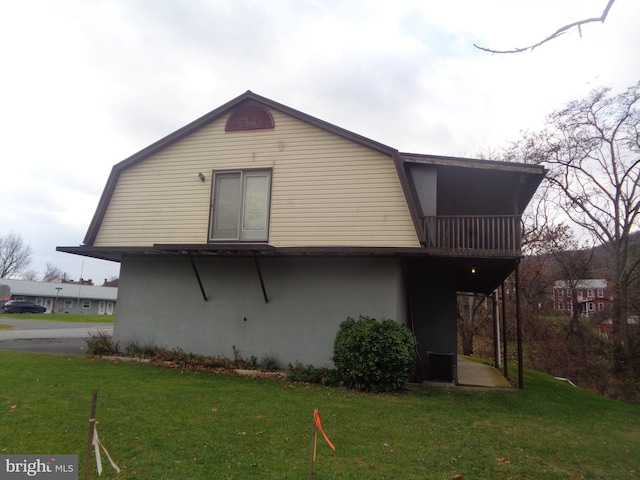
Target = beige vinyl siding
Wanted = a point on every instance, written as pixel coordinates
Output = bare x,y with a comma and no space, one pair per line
326,191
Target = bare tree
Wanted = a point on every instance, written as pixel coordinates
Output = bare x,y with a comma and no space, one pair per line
53,274
561,343
561,31
573,263
592,150
634,300
15,255
474,318
538,274
30,274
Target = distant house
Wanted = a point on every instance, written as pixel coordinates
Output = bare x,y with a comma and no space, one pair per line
111,283
258,229
64,297
593,296
606,326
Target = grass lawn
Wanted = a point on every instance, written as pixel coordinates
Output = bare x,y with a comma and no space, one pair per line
58,317
162,423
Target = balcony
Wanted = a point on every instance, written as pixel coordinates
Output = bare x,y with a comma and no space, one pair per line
475,235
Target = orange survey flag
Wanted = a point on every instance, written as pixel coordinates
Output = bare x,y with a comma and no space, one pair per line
316,419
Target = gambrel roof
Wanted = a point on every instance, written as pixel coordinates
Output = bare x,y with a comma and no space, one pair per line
476,186
500,174
194,126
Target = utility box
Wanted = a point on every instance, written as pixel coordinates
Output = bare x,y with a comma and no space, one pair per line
441,367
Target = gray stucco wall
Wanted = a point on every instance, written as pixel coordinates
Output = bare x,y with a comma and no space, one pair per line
160,304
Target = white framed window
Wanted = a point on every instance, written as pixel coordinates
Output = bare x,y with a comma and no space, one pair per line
68,303
601,306
560,306
590,306
86,304
240,203
590,293
561,292
600,293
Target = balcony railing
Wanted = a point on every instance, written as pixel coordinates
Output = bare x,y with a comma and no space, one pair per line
497,235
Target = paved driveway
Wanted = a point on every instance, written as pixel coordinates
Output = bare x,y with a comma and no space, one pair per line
51,337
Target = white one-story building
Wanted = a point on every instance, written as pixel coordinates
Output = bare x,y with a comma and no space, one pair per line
63,297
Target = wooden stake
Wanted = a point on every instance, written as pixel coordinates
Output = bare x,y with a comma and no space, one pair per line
314,436
92,422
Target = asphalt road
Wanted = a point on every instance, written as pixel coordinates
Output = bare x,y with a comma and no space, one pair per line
49,337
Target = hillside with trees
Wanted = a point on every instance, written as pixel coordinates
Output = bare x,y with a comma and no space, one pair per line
584,223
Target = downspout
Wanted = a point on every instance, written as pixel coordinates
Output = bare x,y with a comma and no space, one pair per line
518,296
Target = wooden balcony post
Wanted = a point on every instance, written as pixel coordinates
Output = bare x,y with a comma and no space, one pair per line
519,330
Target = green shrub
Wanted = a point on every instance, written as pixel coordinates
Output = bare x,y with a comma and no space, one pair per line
376,355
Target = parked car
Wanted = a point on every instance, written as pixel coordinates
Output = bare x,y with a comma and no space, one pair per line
22,306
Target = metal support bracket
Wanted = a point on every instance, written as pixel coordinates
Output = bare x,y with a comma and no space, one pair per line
264,291
195,270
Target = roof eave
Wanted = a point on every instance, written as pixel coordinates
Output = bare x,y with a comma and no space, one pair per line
410,197
473,163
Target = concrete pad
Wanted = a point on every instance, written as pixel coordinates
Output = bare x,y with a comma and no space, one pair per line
476,374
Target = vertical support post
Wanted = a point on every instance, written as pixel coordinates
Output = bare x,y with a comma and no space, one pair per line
496,329
518,235
504,332
92,423
519,330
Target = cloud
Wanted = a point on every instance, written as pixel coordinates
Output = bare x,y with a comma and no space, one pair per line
87,84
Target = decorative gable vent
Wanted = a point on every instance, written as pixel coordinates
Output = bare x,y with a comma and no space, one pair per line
249,117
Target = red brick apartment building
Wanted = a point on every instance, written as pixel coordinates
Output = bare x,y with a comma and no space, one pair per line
592,294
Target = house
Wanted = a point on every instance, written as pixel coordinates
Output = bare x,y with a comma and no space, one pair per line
63,297
258,229
593,295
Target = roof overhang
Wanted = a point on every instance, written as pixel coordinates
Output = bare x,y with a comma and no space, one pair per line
472,274
116,254
474,178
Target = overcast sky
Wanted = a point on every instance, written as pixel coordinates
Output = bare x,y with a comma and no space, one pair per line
85,84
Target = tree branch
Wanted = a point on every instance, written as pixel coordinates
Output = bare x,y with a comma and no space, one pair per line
556,34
